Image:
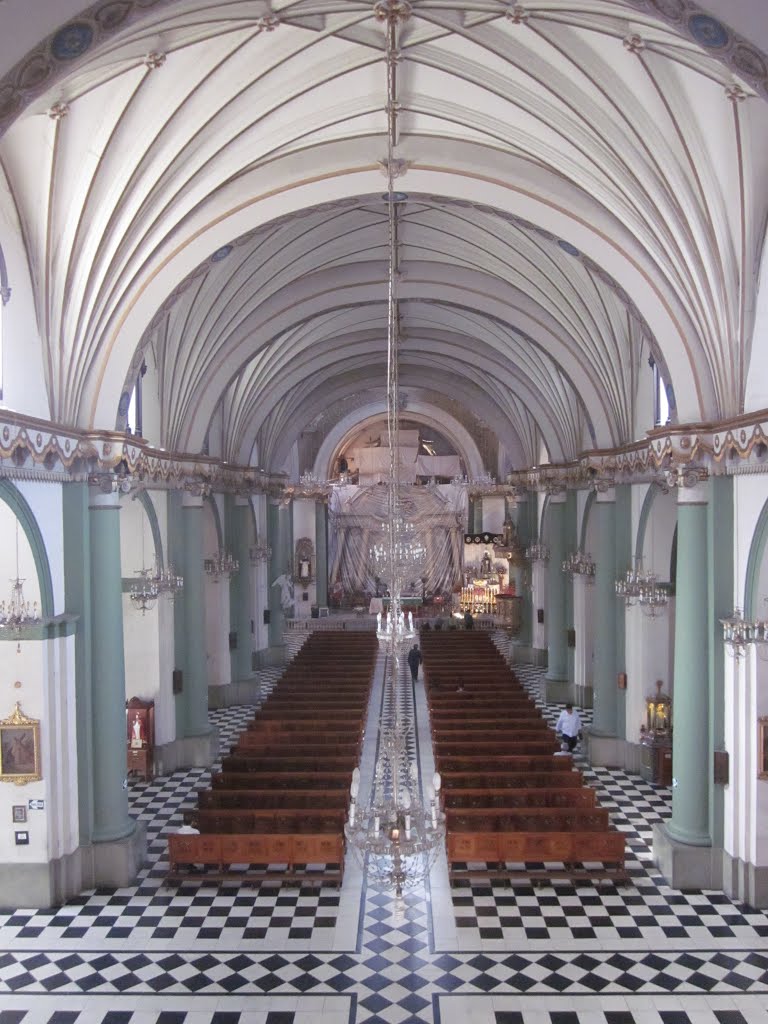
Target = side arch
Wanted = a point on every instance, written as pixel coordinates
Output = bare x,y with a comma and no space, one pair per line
754,562
157,541
21,509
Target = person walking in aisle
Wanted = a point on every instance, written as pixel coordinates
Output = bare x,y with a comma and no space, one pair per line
569,726
414,660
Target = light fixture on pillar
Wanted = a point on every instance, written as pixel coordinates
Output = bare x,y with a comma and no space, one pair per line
393,834
653,598
643,588
577,563
629,586
169,582
537,552
145,591
260,553
221,566
739,633
17,613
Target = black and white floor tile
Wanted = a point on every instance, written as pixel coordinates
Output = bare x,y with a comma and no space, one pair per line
480,953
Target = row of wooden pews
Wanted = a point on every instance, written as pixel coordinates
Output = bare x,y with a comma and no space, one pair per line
280,800
515,806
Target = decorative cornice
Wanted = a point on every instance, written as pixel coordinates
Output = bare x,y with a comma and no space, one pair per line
32,448
37,449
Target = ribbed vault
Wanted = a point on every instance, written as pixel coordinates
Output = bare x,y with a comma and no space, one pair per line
585,188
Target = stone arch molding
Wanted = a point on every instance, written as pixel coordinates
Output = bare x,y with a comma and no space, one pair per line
419,411
23,512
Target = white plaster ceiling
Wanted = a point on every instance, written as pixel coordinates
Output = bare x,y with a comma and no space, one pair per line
584,190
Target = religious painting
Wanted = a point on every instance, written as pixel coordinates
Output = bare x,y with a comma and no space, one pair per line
19,748
762,748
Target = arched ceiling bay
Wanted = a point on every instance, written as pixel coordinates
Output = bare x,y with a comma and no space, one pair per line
147,184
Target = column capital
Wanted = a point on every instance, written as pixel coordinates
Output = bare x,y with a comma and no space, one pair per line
605,495
691,483
189,500
105,491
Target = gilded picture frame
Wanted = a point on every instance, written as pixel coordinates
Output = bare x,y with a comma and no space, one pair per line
19,748
762,748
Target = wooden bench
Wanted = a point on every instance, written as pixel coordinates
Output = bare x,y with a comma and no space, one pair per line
254,854
300,799
499,799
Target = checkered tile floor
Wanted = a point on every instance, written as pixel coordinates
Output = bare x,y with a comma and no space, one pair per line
480,953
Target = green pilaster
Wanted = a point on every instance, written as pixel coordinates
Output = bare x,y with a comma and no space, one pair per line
77,601
623,557
195,670
691,762
321,553
604,672
278,524
521,517
555,616
110,799
720,523
175,546
571,544
238,532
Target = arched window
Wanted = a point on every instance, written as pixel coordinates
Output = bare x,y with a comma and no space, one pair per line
660,396
135,406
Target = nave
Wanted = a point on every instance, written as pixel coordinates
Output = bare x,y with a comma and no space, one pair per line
479,953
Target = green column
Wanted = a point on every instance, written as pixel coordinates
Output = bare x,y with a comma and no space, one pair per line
321,553
555,616
604,672
623,557
720,524
521,517
110,800
691,763
195,667
279,530
77,600
239,519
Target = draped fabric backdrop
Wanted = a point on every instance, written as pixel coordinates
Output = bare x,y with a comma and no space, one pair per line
358,517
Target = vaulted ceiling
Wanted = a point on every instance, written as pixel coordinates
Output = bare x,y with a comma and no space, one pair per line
203,180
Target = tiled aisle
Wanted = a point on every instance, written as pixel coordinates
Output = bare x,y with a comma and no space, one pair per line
480,953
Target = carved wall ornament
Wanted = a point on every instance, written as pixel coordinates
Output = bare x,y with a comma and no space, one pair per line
154,60
687,476
634,43
735,93
268,22
517,14
58,111
392,10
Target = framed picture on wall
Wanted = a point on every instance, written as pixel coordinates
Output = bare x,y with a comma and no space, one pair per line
19,748
762,748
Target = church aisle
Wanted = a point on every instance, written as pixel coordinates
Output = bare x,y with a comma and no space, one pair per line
483,954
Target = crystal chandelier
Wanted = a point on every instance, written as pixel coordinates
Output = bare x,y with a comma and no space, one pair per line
145,591
221,566
537,553
17,613
739,633
643,588
393,834
579,564
169,582
260,553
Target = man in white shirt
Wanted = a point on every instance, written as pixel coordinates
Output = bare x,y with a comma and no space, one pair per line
569,726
